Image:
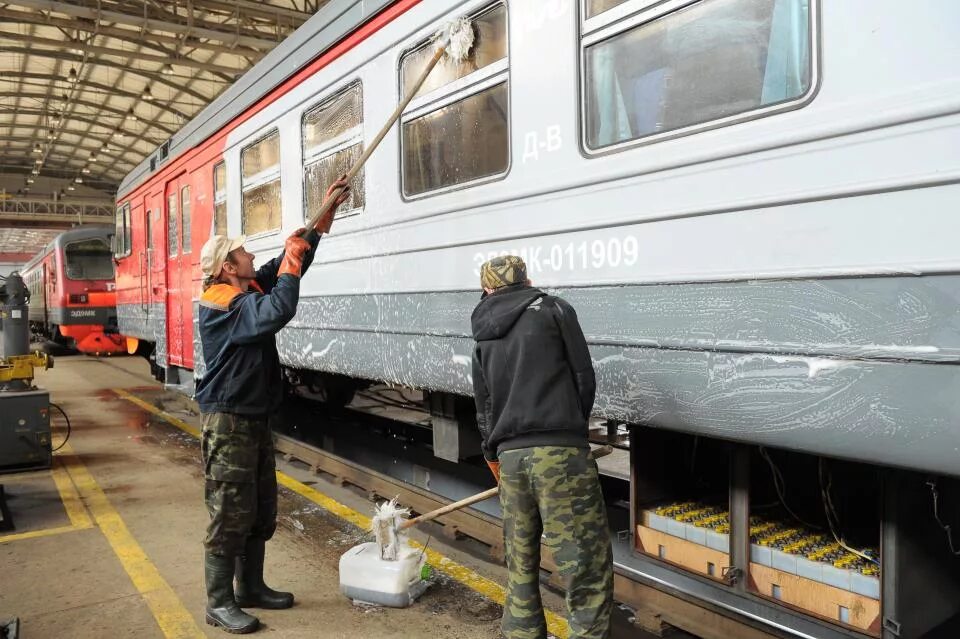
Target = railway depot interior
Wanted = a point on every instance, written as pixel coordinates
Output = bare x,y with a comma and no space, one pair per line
748,203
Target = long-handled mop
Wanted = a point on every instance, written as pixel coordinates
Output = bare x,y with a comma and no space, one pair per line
388,571
455,41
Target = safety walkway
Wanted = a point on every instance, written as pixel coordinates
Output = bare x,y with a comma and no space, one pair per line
108,542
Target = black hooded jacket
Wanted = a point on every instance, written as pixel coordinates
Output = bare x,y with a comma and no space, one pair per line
533,379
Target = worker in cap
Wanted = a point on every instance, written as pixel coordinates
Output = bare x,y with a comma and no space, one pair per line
241,311
534,387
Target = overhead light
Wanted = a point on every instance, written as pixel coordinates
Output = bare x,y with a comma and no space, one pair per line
72,75
147,95
56,121
166,69
37,149
51,134
132,116
75,50
26,189
118,135
30,180
71,187
85,170
61,192
93,157
39,161
35,172
78,180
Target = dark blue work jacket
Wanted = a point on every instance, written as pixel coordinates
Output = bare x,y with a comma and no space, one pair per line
238,337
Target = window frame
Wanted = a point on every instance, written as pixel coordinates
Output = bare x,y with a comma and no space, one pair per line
121,239
261,179
186,238
219,197
342,142
634,14
452,92
66,273
175,218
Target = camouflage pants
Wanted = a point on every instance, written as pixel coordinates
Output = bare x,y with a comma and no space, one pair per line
554,491
241,482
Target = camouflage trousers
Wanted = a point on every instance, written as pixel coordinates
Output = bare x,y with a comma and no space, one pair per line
554,492
241,482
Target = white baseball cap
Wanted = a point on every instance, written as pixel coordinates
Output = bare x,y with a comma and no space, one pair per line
214,253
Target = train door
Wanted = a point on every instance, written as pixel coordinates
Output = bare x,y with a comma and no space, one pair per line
176,346
189,264
143,260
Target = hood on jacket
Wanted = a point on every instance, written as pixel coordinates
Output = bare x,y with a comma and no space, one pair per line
496,314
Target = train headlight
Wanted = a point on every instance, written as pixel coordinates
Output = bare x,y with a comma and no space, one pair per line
78,298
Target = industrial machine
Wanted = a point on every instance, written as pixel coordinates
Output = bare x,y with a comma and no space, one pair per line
24,408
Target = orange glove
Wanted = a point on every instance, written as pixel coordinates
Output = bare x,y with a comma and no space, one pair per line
293,251
495,469
339,190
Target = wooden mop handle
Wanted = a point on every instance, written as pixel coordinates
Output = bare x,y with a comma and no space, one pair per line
352,173
449,508
597,453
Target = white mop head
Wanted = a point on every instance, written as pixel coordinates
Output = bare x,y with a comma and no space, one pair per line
457,38
385,524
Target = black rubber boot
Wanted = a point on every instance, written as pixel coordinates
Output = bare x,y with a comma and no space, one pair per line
251,591
222,608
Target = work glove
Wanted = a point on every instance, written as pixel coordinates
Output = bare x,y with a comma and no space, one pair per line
293,251
339,190
495,469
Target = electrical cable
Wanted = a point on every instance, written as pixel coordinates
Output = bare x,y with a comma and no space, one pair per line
947,528
780,485
65,439
833,520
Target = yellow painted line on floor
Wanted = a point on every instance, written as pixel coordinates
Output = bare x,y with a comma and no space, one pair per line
167,609
556,624
46,532
179,423
68,495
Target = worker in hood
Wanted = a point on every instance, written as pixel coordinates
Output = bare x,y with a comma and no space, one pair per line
534,387
241,311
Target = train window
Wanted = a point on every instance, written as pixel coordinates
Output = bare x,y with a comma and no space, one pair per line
456,132
121,242
332,141
261,185
710,61
172,224
88,260
148,230
220,199
596,7
186,248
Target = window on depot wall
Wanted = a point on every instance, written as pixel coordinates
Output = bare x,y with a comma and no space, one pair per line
456,130
695,67
332,142
220,199
260,183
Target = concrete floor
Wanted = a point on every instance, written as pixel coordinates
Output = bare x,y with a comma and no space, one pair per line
117,529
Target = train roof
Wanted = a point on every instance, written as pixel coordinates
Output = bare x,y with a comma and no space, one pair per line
81,232
327,27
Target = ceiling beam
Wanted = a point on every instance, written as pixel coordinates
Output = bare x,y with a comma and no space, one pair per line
65,45
110,186
146,24
50,78
257,9
169,130
71,117
156,76
128,35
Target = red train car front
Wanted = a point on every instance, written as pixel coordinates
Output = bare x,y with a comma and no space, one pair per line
72,291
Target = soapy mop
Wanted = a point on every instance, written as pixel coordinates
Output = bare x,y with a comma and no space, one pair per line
389,571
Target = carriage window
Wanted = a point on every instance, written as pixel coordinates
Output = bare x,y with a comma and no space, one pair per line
457,132
88,260
261,185
121,242
220,199
712,60
148,230
172,224
595,7
332,142
185,219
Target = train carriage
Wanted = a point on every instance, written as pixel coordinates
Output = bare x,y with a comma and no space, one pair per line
749,202
72,296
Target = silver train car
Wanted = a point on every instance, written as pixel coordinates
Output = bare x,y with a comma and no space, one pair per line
750,203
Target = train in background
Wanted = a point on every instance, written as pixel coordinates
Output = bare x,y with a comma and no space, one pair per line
747,201
73,299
